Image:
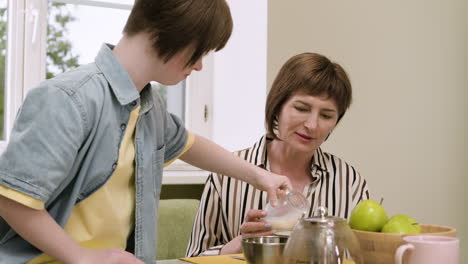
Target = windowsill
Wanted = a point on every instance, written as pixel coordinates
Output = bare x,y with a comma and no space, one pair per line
180,172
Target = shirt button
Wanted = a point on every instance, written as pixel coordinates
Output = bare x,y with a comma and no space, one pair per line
123,126
114,166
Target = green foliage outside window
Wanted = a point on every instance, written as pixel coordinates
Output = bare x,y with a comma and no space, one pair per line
59,49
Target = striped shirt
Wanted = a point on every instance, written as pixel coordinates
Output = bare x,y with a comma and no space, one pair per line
226,201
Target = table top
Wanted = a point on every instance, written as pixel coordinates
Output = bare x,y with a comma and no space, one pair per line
231,258
171,261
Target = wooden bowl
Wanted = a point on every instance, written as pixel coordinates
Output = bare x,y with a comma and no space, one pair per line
379,248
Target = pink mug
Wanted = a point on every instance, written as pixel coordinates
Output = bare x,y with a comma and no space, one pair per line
429,250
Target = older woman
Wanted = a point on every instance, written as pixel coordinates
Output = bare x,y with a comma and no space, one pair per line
308,98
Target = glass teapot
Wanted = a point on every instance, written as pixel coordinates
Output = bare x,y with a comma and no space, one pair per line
322,240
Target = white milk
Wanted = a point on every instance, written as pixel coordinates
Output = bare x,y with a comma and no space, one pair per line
281,223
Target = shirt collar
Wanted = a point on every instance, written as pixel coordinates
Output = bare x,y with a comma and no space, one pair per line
319,160
261,146
118,78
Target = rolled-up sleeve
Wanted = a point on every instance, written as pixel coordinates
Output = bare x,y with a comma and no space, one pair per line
21,198
188,145
175,137
45,139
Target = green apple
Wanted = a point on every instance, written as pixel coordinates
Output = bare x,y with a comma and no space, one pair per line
368,215
409,219
400,225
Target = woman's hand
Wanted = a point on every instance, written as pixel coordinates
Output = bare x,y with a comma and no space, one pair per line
107,256
252,226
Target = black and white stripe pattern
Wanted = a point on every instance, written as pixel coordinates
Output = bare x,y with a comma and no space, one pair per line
226,201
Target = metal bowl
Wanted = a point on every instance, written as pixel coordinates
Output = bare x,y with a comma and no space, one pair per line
264,249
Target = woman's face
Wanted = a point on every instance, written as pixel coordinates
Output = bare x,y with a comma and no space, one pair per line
305,121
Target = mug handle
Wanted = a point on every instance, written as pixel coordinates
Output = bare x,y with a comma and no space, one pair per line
401,251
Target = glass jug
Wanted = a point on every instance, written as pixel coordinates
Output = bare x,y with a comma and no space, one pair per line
286,214
322,240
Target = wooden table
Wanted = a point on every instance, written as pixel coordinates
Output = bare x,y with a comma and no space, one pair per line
171,261
231,258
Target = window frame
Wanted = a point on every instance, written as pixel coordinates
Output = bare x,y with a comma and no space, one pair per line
24,26
13,65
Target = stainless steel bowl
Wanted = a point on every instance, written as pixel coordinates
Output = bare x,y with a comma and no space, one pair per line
264,249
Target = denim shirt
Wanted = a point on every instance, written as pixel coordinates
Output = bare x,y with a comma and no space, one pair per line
65,144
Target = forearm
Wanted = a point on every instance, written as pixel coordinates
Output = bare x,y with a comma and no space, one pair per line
211,157
41,230
233,247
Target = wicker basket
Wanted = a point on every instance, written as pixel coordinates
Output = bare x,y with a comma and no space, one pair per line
379,248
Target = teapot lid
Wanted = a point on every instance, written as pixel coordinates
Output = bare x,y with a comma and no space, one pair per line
323,218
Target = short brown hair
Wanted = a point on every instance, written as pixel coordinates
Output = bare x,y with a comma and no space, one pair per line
313,74
174,25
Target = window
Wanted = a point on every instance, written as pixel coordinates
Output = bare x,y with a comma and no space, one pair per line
75,32
45,38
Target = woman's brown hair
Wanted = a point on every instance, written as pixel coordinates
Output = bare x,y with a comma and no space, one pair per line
313,74
174,25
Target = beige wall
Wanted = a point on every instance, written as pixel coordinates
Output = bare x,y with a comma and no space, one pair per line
406,130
